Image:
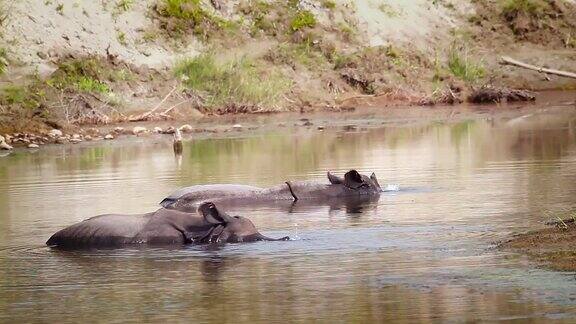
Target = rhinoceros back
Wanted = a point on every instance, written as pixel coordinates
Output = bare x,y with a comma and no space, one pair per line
201,193
100,230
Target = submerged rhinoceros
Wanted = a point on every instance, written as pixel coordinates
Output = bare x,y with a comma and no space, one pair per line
353,184
162,227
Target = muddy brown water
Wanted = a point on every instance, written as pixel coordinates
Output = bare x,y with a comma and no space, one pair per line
425,253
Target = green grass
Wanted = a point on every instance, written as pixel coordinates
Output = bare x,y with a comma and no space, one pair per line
3,14
19,96
462,66
388,10
86,74
192,16
240,82
291,54
3,61
302,19
533,8
89,84
124,5
121,36
328,4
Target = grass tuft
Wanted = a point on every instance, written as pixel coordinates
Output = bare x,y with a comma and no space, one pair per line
532,8
3,61
190,15
328,4
462,67
238,83
124,5
301,20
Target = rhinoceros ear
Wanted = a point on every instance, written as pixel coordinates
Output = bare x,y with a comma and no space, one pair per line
373,178
335,179
212,215
353,179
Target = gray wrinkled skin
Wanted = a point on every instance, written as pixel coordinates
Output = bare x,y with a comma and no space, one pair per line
162,227
352,184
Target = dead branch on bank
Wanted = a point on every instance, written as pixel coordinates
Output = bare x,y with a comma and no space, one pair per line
489,94
149,115
510,61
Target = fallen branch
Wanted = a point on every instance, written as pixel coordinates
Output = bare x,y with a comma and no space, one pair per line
165,112
146,115
509,61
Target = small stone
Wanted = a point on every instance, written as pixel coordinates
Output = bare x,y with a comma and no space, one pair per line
32,145
93,131
185,128
320,127
42,55
3,144
88,138
76,136
75,140
55,133
237,127
157,130
349,128
109,137
138,130
119,130
169,130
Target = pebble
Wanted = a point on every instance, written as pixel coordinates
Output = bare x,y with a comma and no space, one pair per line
185,128
75,140
169,130
3,144
109,137
88,138
55,133
119,130
320,127
157,130
76,136
32,145
138,130
237,127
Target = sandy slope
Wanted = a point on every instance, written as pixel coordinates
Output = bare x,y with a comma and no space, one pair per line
37,29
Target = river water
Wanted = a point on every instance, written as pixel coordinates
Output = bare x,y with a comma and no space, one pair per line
425,253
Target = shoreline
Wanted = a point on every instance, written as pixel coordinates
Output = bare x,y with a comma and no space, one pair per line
551,247
366,115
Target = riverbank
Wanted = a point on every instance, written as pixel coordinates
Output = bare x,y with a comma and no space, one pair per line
91,64
552,247
367,115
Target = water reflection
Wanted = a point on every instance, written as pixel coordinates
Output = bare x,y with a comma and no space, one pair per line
421,254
